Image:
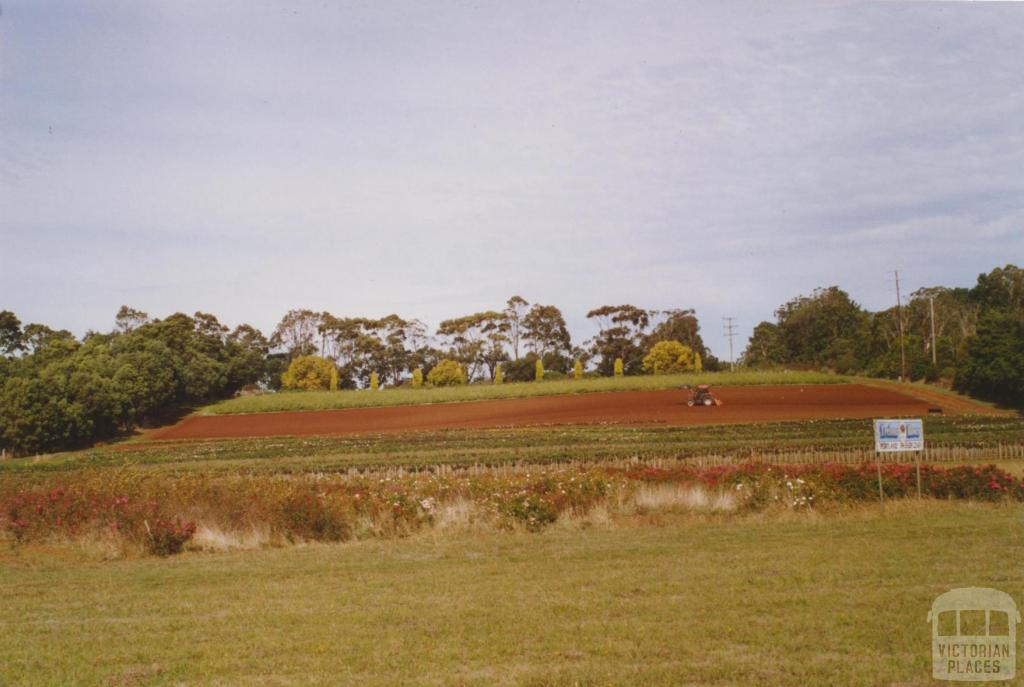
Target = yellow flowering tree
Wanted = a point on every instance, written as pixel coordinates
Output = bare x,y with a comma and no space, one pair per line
446,373
538,371
669,357
308,373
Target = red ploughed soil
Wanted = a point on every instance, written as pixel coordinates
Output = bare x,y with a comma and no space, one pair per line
740,404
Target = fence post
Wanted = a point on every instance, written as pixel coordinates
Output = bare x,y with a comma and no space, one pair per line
878,465
918,474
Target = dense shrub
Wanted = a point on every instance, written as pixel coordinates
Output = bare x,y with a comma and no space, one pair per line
168,536
149,511
994,365
308,373
805,484
446,373
69,511
522,370
334,378
539,502
314,516
58,392
669,357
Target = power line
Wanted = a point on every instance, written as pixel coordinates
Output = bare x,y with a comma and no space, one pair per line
931,307
729,330
899,317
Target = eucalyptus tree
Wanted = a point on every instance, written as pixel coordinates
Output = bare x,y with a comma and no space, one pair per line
621,335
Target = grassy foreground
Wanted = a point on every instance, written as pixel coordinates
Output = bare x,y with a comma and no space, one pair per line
799,599
330,400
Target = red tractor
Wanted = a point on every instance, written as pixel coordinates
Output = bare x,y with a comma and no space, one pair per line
701,396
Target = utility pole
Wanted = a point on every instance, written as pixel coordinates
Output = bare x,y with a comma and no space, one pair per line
729,329
931,307
899,317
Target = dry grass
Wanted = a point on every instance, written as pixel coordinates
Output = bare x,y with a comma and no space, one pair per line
666,496
458,515
215,538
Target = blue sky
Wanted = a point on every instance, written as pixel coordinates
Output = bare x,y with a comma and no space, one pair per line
432,159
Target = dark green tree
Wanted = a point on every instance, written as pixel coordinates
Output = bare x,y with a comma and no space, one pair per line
10,333
993,367
765,347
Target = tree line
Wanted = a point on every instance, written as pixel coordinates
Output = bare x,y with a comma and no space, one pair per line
59,392
515,337
978,342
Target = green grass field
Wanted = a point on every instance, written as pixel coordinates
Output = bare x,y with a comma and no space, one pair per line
666,594
327,400
671,599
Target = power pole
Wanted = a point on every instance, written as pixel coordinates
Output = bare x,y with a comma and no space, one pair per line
931,307
899,317
729,329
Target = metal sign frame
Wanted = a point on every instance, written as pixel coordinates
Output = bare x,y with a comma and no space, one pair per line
898,435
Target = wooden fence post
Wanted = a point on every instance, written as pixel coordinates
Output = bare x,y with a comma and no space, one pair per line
878,464
919,474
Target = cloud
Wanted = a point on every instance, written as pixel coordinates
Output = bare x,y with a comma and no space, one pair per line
434,159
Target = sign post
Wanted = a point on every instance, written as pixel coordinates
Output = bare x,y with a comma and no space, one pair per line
878,465
899,436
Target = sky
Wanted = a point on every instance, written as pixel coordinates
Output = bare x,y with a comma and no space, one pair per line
432,159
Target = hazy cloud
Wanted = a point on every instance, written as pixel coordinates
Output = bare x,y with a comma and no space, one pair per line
432,159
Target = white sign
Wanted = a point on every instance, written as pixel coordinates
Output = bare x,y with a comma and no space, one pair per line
899,435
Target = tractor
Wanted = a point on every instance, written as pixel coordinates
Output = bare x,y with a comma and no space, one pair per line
701,396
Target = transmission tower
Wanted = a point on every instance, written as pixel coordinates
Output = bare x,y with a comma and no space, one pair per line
729,330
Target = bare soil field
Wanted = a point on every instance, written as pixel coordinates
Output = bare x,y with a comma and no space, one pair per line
740,405
951,403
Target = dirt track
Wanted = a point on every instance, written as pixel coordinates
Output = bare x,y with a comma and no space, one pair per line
741,404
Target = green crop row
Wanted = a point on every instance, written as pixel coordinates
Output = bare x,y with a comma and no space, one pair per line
503,446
